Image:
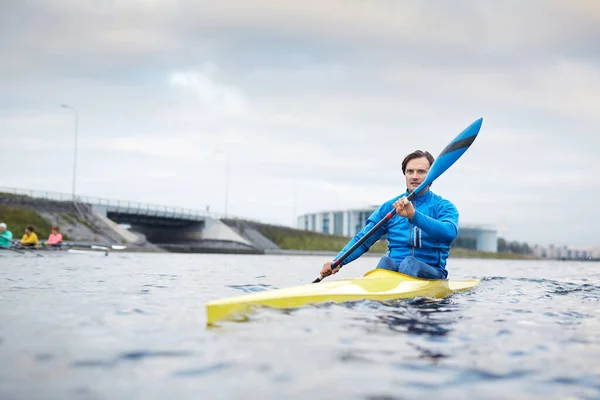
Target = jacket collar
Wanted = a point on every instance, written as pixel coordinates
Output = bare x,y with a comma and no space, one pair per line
421,198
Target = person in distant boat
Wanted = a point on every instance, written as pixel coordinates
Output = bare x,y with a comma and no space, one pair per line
55,238
5,236
419,235
30,238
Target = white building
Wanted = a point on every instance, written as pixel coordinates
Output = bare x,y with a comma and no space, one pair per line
344,223
595,252
350,222
563,252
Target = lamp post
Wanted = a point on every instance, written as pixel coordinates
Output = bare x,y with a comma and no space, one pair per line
295,220
226,178
226,185
75,156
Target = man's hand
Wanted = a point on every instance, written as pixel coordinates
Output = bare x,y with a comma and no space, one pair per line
404,210
326,271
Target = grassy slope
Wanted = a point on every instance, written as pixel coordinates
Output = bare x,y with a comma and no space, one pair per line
456,252
295,239
18,218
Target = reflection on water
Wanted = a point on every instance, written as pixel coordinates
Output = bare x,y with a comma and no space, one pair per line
420,316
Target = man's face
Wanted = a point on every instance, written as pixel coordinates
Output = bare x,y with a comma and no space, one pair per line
415,173
2,229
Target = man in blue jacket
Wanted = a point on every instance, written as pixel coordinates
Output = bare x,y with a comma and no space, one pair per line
419,235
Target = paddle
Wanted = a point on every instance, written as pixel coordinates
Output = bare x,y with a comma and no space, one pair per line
22,251
447,157
11,249
112,247
96,247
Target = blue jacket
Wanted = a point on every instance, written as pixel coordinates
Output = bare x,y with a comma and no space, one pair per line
427,236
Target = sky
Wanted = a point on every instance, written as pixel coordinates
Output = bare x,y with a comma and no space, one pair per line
270,109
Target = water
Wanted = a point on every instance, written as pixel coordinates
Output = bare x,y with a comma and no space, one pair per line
132,326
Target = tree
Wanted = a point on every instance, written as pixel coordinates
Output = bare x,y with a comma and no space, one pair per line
502,247
513,247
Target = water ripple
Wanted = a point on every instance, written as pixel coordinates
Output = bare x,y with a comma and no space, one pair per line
130,356
250,288
138,355
117,327
201,371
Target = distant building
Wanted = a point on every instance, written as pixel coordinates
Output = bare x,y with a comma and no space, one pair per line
344,223
562,252
537,250
350,222
551,251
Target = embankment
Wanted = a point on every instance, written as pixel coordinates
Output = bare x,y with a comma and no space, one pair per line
79,223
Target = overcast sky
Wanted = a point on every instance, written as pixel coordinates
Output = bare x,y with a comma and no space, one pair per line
312,103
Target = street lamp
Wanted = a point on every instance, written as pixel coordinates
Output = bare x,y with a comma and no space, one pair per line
227,187
226,178
75,156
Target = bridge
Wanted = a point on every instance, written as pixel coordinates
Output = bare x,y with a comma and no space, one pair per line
163,225
119,208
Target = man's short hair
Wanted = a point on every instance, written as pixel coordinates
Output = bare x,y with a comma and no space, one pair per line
416,154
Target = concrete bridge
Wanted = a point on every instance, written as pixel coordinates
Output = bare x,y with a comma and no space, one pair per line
173,228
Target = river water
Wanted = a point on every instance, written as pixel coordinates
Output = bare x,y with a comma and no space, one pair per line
133,326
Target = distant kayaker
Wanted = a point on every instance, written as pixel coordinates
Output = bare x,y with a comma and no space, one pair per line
55,238
30,238
419,235
5,236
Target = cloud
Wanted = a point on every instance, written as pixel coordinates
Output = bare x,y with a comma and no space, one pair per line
309,105
211,96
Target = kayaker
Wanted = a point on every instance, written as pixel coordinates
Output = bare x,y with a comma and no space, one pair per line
30,238
5,235
55,238
419,235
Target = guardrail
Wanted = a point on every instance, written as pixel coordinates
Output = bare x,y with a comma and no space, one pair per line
129,206
113,205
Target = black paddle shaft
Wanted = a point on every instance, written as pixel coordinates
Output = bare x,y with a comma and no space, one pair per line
371,231
358,243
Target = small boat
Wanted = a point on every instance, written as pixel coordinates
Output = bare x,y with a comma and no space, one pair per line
67,248
87,251
377,284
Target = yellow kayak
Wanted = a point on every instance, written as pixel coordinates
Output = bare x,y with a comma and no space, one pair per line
377,284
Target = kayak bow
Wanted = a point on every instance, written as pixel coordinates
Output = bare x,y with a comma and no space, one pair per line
377,284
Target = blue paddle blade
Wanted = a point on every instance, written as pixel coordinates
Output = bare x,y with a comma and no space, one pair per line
450,154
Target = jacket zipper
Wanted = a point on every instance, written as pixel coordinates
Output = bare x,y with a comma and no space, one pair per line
411,230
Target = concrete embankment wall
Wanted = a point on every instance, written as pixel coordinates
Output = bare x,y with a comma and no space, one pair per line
250,234
214,237
126,235
217,230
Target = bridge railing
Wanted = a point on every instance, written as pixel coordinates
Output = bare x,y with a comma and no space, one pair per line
113,205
